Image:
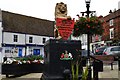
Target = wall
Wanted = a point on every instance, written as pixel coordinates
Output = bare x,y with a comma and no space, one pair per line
8,38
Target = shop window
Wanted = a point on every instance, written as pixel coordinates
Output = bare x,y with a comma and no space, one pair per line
30,39
15,38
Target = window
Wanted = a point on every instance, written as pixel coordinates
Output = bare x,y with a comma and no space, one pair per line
36,51
111,22
115,49
15,38
111,33
44,39
30,39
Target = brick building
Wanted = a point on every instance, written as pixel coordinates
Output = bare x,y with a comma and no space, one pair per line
112,28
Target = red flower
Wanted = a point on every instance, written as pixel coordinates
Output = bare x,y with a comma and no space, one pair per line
62,55
88,26
88,19
77,29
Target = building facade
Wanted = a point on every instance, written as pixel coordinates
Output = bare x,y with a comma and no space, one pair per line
22,35
112,28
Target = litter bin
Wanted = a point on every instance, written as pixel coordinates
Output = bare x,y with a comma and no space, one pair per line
97,67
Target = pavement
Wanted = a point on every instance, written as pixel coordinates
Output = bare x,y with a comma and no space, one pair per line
107,74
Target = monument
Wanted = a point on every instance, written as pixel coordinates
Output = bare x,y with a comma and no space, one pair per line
60,52
64,24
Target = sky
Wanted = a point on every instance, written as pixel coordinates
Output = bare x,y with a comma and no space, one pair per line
45,9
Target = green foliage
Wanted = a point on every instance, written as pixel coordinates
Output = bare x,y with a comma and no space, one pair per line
30,58
85,74
75,67
75,72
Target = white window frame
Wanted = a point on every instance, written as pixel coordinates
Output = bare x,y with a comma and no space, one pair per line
15,38
30,39
111,33
111,22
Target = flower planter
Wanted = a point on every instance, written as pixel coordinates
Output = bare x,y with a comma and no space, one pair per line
36,68
19,69
15,69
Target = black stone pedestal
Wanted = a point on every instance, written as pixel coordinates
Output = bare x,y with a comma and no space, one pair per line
119,68
56,67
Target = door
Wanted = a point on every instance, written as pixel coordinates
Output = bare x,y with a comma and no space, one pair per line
36,51
20,53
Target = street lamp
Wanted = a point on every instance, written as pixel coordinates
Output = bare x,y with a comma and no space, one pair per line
88,41
87,1
87,6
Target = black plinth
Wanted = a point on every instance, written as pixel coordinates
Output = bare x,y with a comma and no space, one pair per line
54,64
119,68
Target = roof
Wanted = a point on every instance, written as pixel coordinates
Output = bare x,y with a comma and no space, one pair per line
18,23
112,15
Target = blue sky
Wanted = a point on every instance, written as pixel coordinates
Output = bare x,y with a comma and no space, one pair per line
45,9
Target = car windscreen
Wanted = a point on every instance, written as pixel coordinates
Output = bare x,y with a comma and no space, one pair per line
101,49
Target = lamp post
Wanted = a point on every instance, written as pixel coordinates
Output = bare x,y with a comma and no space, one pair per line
88,37
88,41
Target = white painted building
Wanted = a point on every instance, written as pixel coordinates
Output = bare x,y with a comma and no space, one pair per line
14,44
23,35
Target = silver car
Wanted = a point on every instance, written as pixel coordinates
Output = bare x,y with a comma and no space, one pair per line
112,50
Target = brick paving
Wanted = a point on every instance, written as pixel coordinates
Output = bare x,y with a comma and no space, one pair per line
107,74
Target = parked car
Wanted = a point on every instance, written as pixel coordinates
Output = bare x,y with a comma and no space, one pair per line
112,50
85,53
99,50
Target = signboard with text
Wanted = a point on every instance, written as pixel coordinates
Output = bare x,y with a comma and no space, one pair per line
65,27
